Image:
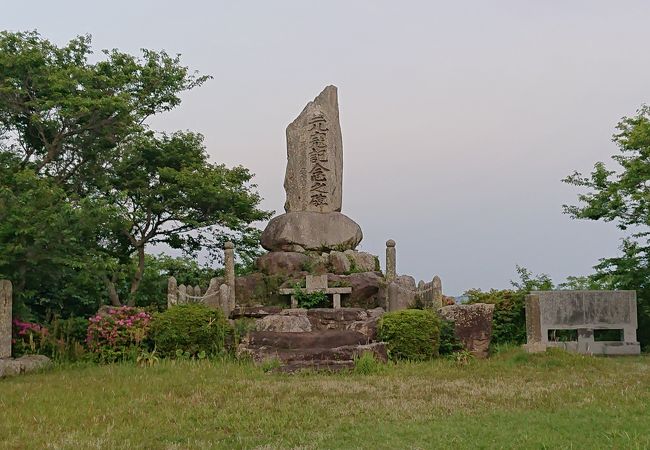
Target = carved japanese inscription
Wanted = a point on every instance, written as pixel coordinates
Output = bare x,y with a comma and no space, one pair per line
318,192
313,180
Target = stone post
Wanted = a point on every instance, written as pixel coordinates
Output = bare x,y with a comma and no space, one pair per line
229,263
224,299
172,292
5,319
391,274
391,269
392,296
182,294
436,295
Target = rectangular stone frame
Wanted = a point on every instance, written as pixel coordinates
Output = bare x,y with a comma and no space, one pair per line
584,311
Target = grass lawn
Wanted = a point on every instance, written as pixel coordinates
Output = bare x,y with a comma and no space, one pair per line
513,400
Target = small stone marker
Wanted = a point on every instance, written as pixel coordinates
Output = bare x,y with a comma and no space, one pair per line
182,294
5,318
172,292
436,285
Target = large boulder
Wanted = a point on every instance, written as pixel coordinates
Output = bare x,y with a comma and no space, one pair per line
287,321
472,325
362,261
335,319
368,289
339,262
250,289
368,326
283,263
308,230
255,312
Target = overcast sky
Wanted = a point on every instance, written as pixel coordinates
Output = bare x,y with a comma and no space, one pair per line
459,119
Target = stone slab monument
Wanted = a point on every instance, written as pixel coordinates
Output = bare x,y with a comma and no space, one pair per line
5,318
314,184
576,320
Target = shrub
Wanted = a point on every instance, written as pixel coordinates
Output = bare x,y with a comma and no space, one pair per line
62,339
117,333
509,317
28,338
309,300
241,328
189,330
411,334
448,342
67,338
367,364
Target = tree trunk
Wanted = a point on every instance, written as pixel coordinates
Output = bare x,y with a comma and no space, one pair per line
112,292
137,277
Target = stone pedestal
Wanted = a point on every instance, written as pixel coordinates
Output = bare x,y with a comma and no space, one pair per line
304,230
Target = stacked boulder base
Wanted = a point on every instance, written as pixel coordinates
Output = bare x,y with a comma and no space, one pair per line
320,339
280,270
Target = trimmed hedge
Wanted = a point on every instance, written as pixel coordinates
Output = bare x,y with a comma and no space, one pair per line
191,329
411,334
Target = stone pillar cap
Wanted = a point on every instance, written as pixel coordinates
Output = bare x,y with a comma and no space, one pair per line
228,245
390,243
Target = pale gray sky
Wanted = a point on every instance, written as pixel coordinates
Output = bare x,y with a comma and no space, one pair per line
459,118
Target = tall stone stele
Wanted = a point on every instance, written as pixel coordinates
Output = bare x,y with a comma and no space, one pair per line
314,184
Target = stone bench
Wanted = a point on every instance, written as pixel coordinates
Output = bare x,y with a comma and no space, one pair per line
583,314
317,283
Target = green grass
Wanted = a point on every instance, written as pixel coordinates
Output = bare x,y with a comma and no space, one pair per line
513,400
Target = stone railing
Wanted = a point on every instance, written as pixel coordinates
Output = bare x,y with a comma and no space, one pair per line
217,295
402,291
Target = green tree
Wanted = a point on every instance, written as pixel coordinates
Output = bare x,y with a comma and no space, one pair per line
622,196
103,185
166,191
48,245
63,115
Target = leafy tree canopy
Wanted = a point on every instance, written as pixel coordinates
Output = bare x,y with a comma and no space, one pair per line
86,185
622,195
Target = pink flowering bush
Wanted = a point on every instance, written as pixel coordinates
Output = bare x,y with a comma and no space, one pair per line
117,333
27,337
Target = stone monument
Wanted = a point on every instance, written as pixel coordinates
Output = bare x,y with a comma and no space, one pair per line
314,184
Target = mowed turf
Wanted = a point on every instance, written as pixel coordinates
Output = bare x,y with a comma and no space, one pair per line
513,400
